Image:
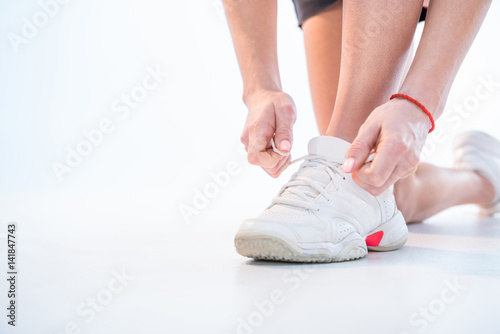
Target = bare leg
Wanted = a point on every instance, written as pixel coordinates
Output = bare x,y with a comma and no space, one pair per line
431,189
323,41
375,43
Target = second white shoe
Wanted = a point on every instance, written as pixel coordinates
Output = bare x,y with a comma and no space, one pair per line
322,215
478,151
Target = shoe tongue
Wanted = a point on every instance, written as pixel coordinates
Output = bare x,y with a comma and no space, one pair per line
317,173
333,148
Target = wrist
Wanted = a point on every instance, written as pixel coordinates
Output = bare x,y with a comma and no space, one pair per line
416,113
250,94
429,95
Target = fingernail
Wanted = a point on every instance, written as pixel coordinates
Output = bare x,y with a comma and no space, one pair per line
348,165
285,146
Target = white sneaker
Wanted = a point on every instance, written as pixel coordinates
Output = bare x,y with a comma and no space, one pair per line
480,152
322,215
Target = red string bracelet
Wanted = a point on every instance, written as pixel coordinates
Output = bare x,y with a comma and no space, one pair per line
420,105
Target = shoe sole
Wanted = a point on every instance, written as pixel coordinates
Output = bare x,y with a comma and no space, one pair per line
277,248
265,247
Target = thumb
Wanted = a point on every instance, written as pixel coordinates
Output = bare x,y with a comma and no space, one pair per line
283,134
360,149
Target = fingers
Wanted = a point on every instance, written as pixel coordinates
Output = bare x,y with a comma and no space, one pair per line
260,152
280,167
266,159
389,153
409,173
375,191
244,138
399,172
397,142
272,116
360,148
395,159
285,118
258,137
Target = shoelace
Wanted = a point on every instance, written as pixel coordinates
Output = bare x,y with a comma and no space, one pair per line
306,197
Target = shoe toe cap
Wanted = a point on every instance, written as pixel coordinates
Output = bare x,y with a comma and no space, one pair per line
258,228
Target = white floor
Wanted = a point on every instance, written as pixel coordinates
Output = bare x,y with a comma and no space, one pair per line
190,280
107,249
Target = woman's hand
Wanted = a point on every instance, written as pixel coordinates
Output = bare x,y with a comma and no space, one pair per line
396,131
270,113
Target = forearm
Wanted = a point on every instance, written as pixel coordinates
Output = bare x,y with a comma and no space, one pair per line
253,30
450,29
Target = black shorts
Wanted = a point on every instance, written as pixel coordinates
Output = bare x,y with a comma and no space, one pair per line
308,8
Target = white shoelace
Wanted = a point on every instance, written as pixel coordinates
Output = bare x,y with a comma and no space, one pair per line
303,186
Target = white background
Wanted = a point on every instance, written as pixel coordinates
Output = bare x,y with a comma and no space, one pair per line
124,199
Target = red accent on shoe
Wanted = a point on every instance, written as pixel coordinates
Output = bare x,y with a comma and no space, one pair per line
373,240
